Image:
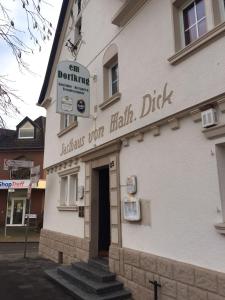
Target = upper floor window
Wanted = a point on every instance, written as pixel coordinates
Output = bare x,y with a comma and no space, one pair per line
114,79
194,21
111,92
21,173
78,33
67,120
78,6
26,131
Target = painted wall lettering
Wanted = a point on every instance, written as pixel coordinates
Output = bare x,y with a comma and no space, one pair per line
150,104
96,134
72,145
119,121
155,102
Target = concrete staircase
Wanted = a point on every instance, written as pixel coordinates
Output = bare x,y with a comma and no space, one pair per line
89,281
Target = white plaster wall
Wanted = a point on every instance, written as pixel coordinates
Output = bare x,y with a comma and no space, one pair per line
66,222
144,44
177,172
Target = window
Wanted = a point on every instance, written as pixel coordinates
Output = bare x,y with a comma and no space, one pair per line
68,190
78,6
78,32
26,131
194,21
67,120
21,173
111,92
114,79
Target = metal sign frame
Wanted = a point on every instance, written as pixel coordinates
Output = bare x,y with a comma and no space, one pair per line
15,164
73,89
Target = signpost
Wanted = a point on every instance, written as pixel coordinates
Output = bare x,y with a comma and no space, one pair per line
34,178
73,89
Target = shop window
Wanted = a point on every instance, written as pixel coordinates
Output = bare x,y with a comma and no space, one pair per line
68,190
26,131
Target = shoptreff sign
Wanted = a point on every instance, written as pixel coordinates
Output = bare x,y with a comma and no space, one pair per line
14,184
73,89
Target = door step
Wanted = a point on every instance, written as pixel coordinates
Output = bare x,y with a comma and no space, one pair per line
89,281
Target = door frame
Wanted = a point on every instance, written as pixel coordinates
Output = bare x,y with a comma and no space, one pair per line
106,155
12,206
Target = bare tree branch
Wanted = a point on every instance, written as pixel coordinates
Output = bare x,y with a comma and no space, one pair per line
37,29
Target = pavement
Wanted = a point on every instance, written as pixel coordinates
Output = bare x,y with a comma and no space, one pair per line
24,278
17,234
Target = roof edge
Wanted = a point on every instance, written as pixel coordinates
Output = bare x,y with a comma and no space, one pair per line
53,51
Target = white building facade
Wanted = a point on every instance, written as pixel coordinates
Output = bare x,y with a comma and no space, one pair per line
155,138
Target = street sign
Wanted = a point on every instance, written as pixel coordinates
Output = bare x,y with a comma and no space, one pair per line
35,174
9,163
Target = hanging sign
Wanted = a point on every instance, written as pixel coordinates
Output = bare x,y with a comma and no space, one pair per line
35,174
73,89
15,164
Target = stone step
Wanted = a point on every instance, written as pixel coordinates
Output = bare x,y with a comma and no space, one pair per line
81,294
92,286
93,272
99,263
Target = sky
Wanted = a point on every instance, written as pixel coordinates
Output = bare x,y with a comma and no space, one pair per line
27,85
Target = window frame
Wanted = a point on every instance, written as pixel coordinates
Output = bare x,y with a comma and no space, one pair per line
215,28
66,192
181,22
22,128
109,60
222,10
111,94
67,120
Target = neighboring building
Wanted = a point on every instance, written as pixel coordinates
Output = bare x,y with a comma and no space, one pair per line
155,67
24,143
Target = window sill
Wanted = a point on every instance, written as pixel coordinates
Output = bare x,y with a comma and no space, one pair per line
220,227
67,129
127,11
110,101
67,208
203,41
214,132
